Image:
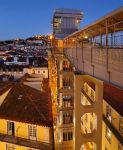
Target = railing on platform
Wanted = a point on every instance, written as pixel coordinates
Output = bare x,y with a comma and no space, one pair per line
115,41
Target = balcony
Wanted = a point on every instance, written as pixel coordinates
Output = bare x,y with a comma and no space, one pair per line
25,142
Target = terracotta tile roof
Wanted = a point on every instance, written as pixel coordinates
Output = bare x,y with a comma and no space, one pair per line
113,95
28,105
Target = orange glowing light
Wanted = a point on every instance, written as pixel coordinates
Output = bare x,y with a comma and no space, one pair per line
51,37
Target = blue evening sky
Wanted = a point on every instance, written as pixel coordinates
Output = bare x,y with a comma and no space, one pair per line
24,18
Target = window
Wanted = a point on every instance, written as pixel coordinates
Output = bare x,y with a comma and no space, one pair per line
67,101
108,112
67,117
108,134
32,132
10,147
43,71
67,136
66,66
10,128
67,83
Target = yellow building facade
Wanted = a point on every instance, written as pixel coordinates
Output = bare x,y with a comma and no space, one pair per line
96,123
25,123
22,132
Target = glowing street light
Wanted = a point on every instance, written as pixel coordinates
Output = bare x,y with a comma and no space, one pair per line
51,37
85,37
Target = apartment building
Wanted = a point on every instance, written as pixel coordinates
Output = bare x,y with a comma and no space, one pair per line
25,115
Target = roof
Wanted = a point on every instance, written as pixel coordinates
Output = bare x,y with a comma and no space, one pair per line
98,27
26,104
113,95
4,86
68,11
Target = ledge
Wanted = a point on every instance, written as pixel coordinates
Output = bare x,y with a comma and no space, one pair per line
25,142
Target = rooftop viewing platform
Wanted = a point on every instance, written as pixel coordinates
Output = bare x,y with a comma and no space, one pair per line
97,49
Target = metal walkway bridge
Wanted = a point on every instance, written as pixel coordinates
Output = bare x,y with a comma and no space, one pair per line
97,49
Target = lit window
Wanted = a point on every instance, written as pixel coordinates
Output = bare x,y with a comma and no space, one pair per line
67,100
32,132
10,128
108,134
67,83
67,136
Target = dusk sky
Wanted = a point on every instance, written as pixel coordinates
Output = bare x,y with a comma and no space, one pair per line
25,18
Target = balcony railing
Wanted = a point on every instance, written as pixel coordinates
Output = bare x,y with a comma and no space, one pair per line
25,142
